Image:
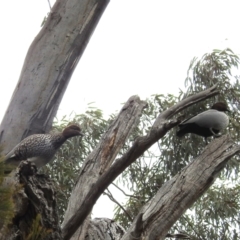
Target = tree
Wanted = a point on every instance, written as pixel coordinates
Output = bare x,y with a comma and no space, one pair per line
48,67
146,175
100,167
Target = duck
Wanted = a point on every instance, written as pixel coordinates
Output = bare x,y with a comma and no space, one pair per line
41,148
206,124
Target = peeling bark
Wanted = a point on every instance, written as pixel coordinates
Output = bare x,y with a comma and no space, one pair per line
35,207
101,168
88,190
105,229
46,72
98,163
179,193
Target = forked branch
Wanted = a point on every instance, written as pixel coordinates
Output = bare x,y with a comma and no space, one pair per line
161,126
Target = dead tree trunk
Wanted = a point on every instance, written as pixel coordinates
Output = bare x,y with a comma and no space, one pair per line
98,163
101,168
46,72
178,194
97,172
35,207
48,67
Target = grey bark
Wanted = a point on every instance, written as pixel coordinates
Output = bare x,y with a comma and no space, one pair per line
100,169
98,163
157,217
46,72
105,229
35,213
88,189
48,67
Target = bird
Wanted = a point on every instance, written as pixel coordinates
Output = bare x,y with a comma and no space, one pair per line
40,148
206,124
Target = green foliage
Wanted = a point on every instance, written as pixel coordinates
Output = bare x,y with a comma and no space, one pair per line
216,214
37,231
213,68
213,216
65,168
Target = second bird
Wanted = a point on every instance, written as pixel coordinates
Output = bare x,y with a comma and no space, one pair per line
206,124
40,148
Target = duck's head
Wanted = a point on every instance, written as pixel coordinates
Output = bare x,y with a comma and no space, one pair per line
71,131
220,106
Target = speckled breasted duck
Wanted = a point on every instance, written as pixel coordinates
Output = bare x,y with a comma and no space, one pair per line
206,124
40,148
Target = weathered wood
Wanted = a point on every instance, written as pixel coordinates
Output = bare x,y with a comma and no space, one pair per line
179,193
97,163
99,171
104,229
35,204
48,67
46,72
91,185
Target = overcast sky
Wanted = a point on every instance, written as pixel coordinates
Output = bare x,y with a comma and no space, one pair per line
139,47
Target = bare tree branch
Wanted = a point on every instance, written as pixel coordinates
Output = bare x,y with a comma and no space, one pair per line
179,193
161,126
178,236
109,194
48,67
127,195
98,162
49,4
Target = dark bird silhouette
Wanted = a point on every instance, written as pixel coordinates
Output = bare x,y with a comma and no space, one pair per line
40,148
206,124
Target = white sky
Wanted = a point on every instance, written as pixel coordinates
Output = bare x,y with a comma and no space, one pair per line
139,47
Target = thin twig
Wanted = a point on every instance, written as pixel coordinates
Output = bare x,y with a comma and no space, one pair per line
128,195
161,126
109,194
49,5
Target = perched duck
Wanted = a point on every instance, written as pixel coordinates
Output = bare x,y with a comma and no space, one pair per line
40,148
206,124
